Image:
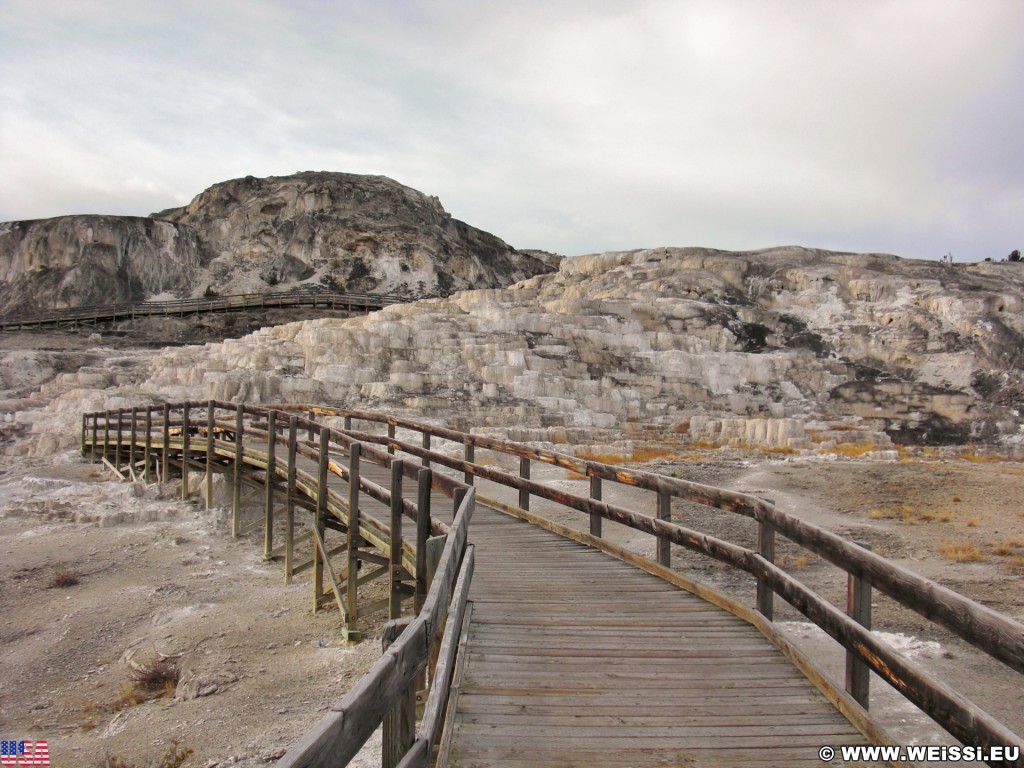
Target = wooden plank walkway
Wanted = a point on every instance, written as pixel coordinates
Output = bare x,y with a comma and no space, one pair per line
576,658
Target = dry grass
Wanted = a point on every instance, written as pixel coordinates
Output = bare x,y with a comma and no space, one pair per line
175,756
971,522
1009,548
961,551
907,515
157,679
854,450
63,579
1013,565
779,451
972,454
639,455
794,563
703,445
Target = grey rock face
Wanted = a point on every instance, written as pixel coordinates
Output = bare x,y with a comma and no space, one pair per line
80,260
359,233
332,230
785,347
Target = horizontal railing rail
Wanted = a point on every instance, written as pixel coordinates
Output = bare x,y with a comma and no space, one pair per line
998,636
181,307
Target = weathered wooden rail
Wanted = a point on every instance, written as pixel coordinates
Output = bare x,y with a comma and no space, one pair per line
76,316
185,443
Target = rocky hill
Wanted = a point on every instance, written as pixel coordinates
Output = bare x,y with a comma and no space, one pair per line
357,233
332,230
788,348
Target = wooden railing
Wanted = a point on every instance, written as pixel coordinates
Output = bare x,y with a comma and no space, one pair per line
996,635
243,442
352,302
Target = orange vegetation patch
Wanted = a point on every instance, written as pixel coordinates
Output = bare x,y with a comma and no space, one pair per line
961,551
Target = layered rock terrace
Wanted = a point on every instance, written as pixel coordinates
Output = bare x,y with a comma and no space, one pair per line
783,347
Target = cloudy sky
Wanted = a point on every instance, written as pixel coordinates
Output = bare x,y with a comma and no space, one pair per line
569,125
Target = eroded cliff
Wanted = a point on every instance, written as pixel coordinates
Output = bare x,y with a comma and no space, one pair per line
786,347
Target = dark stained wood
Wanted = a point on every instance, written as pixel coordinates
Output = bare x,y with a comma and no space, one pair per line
858,608
766,548
341,733
270,485
441,684
399,728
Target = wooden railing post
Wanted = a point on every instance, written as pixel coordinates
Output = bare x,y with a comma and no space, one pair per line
595,519
399,728
395,550
185,429
95,430
132,441
271,482
321,515
289,504
524,473
165,458
236,495
211,426
106,434
426,447
426,479
664,513
470,453
85,430
120,426
352,580
147,451
766,548
858,608
391,436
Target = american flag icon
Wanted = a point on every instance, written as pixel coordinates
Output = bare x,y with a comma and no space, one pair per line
24,753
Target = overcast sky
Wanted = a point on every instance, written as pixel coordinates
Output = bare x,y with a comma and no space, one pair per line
569,125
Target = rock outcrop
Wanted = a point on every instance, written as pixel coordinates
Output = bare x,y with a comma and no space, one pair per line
786,347
74,261
359,233
331,230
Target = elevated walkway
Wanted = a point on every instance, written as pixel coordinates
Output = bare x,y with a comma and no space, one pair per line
535,643
575,658
77,316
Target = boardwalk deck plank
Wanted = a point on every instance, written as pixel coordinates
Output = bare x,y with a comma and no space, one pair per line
575,658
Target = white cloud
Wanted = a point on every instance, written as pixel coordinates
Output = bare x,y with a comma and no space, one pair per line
573,126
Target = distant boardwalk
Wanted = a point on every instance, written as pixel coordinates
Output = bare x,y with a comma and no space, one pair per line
75,316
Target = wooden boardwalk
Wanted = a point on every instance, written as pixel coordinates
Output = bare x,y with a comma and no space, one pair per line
570,656
576,658
75,316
